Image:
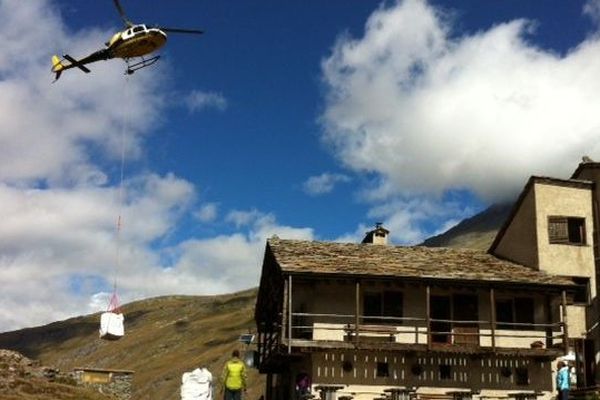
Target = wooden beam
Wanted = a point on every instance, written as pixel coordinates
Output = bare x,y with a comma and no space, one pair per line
493,317
565,322
259,344
597,231
284,310
289,314
428,315
269,389
357,312
548,312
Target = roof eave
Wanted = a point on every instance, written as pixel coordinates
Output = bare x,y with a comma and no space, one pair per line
434,280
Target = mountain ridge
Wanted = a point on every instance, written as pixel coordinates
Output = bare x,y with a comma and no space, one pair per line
476,232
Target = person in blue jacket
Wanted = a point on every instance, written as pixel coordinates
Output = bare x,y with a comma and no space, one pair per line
563,383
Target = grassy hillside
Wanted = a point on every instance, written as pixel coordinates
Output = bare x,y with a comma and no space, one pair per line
165,337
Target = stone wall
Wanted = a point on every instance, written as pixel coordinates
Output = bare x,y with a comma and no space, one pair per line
118,384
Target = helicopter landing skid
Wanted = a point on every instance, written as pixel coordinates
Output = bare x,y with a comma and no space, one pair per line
131,68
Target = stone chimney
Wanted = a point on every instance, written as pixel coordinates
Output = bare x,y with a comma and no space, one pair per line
379,235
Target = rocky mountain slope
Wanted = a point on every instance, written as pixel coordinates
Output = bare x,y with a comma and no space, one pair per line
477,232
24,379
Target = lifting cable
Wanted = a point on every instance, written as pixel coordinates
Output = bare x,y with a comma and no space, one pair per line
114,305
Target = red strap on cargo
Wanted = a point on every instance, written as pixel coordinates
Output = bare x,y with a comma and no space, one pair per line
114,305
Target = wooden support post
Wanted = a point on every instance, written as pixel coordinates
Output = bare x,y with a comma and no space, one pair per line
290,314
428,315
260,346
548,312
357,312
284,310
565,322
269,391
493,317
597,231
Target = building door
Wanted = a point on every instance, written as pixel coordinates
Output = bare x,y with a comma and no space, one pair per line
584,362
440,316
589,354
466,309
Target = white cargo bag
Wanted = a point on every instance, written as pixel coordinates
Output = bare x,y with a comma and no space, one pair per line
197,385
111,326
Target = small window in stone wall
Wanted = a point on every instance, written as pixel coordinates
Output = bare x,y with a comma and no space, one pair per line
566,230
445,371
383,370
521,376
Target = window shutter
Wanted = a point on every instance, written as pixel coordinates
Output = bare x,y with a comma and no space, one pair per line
558,230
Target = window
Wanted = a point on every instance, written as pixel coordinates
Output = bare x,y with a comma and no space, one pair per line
504,313
383,304
372,307
566,230
524,311
520,310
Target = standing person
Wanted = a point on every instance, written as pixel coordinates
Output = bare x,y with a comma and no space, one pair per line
234,377
563,380
302,385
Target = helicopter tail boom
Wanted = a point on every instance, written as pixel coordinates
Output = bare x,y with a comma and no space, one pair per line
58,64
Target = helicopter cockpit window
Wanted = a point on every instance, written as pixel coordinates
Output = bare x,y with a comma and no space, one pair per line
138,28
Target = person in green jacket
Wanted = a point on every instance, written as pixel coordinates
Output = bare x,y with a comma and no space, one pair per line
234,377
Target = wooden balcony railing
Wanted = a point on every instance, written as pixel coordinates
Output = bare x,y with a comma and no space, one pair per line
315,327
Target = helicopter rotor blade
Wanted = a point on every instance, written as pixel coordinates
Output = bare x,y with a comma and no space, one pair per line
179,30
122,13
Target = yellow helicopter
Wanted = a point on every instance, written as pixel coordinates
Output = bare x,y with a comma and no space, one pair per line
136,40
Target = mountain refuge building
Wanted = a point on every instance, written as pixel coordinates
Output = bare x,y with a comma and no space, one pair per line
373,321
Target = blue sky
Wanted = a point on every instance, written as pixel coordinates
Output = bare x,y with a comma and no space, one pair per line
305,119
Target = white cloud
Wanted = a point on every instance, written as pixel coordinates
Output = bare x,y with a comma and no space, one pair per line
207,213
214,265
324,183
242,217
592,9
198,100
429,111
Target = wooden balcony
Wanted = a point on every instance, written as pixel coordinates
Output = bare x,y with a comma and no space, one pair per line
331,331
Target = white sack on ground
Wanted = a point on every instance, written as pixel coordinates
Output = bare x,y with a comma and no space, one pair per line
196,385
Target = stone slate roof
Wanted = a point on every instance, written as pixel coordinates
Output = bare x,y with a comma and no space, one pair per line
311,257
